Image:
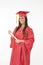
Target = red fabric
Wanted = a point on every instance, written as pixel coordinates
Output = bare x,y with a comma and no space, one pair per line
21,52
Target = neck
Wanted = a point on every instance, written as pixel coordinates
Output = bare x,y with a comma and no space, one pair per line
23,25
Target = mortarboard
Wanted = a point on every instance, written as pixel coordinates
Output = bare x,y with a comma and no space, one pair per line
21,13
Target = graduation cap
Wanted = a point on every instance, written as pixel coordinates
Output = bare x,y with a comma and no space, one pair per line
21,13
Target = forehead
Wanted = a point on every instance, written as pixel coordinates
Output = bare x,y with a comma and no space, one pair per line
22,17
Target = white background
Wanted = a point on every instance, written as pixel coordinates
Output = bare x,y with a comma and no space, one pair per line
8,8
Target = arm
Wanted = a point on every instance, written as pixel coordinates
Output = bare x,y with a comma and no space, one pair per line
12,40
28,42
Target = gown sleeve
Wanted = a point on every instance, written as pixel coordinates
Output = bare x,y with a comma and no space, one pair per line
12,40
29,40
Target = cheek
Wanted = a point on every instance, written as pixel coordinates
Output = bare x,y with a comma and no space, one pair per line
23,20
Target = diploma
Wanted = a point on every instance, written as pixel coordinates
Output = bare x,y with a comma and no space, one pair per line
12,34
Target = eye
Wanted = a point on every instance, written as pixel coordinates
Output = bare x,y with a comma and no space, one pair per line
22,18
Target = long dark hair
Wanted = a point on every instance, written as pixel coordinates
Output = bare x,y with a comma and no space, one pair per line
26,24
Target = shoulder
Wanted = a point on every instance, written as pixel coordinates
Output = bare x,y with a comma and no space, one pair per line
29,28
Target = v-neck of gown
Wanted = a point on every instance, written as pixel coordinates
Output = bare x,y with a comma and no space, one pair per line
19,33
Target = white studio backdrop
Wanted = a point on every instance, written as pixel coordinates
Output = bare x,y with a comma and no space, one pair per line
8,9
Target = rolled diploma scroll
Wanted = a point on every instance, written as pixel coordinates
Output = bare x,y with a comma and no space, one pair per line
12,35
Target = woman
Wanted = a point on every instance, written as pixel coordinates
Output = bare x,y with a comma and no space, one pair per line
21,47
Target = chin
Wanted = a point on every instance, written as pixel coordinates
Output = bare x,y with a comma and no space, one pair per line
21,23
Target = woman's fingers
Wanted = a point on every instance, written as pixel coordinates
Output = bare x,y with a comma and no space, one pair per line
18,41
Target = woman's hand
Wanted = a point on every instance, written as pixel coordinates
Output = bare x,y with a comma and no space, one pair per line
18,41
9,31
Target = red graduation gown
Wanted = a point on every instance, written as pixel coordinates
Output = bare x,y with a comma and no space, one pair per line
21,51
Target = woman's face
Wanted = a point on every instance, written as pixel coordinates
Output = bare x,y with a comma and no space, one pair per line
22,20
